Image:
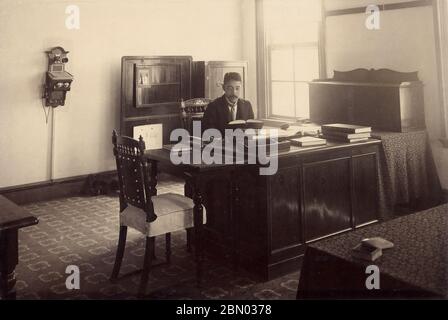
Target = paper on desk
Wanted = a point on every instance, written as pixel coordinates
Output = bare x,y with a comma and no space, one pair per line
152,135
293,130
303,129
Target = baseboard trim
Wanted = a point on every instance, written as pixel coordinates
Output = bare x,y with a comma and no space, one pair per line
48,190
59,188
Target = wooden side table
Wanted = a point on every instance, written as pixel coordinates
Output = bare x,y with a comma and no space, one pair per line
12,218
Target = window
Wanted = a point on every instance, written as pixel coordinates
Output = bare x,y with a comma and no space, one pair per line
291,30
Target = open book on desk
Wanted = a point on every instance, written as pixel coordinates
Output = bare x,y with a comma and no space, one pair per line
245,124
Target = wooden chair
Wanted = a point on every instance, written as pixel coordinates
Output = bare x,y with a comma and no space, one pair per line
193,110
145,211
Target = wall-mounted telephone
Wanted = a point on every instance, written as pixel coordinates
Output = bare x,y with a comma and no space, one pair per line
57,80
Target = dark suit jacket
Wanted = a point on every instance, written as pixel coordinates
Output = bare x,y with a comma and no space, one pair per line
217,114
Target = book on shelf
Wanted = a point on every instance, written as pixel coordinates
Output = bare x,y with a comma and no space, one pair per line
366,252
343,139
347,128
308,141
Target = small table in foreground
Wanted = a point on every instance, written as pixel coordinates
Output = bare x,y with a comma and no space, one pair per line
12,218
416,267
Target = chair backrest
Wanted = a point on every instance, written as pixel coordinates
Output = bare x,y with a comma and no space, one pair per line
133,174
192,110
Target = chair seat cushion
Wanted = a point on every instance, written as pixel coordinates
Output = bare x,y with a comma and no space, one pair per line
174,212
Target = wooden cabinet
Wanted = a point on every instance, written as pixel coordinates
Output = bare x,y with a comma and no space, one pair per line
384,99
208,77
151,90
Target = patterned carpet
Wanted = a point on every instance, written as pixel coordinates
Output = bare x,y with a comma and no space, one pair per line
83,231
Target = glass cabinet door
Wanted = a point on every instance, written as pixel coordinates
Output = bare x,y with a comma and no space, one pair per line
157,84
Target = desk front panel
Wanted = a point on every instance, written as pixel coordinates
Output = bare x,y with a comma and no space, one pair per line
313,195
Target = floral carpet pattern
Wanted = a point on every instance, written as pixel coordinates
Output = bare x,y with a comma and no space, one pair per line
83,232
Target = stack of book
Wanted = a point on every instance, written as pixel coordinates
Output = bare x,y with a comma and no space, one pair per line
346,132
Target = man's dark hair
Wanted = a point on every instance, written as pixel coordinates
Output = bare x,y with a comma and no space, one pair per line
229,76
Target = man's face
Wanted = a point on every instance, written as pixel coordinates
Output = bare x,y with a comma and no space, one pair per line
232,90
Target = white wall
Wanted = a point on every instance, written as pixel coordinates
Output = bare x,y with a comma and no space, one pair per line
405,42
204,29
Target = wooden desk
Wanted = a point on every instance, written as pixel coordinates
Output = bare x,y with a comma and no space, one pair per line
12,218
416,267
268,220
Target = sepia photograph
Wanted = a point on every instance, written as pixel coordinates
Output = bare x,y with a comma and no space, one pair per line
228,152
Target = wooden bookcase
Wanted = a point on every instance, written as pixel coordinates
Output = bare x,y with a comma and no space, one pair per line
151,90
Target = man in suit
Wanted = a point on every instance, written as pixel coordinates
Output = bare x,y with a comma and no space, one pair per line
229,106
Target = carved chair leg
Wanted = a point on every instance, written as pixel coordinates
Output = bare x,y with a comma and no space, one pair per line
198,218
146,266
120,252
168,247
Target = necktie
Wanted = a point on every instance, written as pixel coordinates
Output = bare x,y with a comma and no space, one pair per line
232,112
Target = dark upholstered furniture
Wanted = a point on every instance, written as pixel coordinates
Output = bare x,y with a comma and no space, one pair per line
416,267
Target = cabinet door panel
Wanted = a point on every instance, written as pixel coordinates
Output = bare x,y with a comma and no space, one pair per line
158,83
250,215
285,208
365,189
217,200
327,207
154,85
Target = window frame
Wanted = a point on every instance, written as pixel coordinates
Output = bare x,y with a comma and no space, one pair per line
264,62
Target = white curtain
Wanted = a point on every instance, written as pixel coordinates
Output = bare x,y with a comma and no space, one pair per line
442,25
